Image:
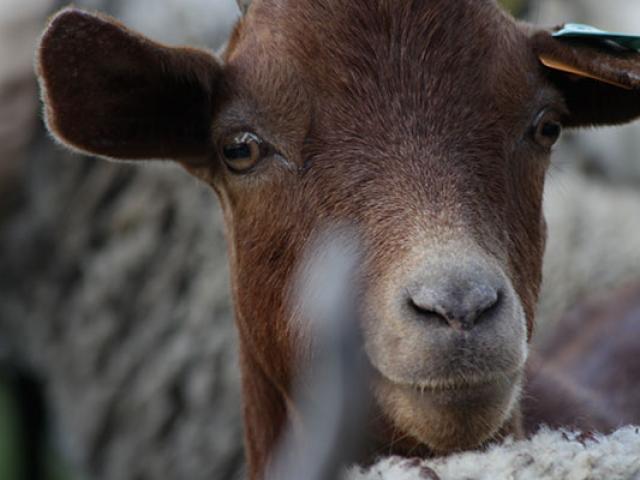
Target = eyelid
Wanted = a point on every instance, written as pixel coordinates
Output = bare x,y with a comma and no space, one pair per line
246,137
537,133
244,133
549,110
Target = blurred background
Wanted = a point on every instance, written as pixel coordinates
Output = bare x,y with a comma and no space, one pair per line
117,346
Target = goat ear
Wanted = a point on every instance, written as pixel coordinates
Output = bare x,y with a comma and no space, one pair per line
111,92
600,83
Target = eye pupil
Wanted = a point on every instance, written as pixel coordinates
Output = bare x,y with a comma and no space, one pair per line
551,130
238,151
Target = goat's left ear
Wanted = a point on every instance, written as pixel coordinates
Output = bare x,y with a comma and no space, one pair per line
600,82
113,93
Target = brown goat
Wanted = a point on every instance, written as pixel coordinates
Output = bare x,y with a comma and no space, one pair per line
426,124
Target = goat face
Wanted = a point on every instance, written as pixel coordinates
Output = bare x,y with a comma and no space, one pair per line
426,125
427,139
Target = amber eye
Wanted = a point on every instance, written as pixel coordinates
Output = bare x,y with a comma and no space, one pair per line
547,128
242,151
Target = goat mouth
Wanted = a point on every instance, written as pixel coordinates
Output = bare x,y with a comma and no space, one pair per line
456,389
461,383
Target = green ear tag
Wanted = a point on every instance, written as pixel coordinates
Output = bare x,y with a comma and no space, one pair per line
577,30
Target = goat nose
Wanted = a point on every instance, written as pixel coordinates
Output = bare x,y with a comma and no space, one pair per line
461,304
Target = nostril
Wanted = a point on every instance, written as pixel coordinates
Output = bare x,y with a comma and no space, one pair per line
461,307
427,313
491,305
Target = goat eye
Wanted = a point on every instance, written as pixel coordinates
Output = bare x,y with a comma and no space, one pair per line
547,129
242,151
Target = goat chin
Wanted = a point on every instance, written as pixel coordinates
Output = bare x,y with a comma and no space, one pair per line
447,420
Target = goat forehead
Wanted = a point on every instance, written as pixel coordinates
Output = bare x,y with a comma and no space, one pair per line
443,59
361,36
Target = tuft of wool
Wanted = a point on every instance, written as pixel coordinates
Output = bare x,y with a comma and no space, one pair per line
594,233
549,455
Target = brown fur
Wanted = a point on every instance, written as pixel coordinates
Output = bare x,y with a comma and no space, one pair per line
409,120
168,90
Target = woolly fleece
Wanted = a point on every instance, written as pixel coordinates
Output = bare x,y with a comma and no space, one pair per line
549,455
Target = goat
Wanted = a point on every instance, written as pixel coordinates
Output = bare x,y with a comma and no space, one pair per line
426,125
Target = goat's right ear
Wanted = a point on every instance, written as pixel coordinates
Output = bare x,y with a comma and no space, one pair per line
111,92
600,83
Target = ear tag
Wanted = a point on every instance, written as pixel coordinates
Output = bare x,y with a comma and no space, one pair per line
587,32
578,30
554,64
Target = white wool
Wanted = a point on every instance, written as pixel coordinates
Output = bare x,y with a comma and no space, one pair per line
195,22
594,233
20,26
549,455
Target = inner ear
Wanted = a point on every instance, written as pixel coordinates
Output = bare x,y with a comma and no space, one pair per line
574,70
600,83
111,92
